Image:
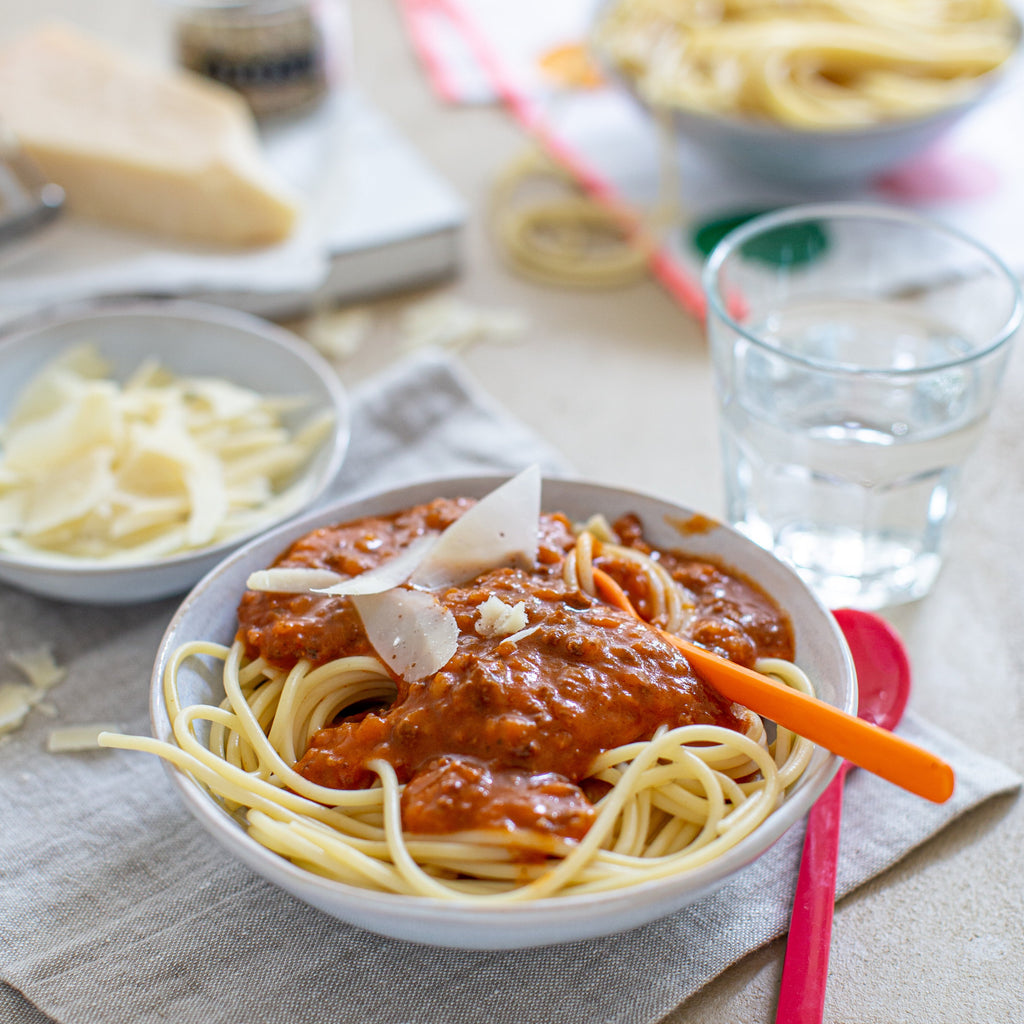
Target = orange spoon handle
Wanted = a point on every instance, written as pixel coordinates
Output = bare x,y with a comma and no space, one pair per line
865,745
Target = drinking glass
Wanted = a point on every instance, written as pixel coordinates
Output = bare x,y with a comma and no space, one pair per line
858,351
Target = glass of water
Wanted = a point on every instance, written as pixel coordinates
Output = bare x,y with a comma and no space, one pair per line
858,351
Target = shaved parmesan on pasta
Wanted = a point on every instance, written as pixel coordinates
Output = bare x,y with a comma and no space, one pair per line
411,630
499,619
291,579
414,634
391,573
500,529
508,642
98,469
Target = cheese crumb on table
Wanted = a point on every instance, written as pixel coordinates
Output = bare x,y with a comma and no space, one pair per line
38,666
444,321
16,701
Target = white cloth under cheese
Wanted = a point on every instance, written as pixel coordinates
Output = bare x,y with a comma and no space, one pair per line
135,146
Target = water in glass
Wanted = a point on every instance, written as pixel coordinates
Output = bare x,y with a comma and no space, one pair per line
850,474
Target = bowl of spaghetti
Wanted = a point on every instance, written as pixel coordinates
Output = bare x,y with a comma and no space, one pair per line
419,713
808,92
143,440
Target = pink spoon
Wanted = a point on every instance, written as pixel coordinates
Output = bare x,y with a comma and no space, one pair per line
883,682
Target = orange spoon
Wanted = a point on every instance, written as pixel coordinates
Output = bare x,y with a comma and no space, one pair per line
862,743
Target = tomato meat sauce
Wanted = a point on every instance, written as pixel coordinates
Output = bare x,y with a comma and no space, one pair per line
502,737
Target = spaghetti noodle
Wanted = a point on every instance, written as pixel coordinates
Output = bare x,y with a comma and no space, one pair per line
643,799
809,64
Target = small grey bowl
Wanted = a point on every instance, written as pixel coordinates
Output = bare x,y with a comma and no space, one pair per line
188,338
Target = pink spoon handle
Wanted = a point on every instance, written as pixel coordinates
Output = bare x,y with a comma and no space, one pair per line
805,971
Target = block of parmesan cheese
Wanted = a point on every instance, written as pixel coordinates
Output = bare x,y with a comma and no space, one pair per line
162,151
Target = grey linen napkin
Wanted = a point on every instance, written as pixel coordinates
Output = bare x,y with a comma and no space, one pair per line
115,907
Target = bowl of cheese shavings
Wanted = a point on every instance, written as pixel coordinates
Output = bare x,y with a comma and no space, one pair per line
809,91
141,442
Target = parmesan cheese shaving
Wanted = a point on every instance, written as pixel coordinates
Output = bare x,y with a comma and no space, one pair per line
16,701
39,667
411,630
500,529
90,468
289,579
86,420
391,573
338,334
509,642
498,619
414,634
450,323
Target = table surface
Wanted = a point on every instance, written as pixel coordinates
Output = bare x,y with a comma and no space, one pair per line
620,382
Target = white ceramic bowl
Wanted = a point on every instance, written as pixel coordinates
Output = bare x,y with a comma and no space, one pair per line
187,338
209,613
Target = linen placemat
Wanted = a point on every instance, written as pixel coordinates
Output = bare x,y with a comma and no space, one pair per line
116,907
